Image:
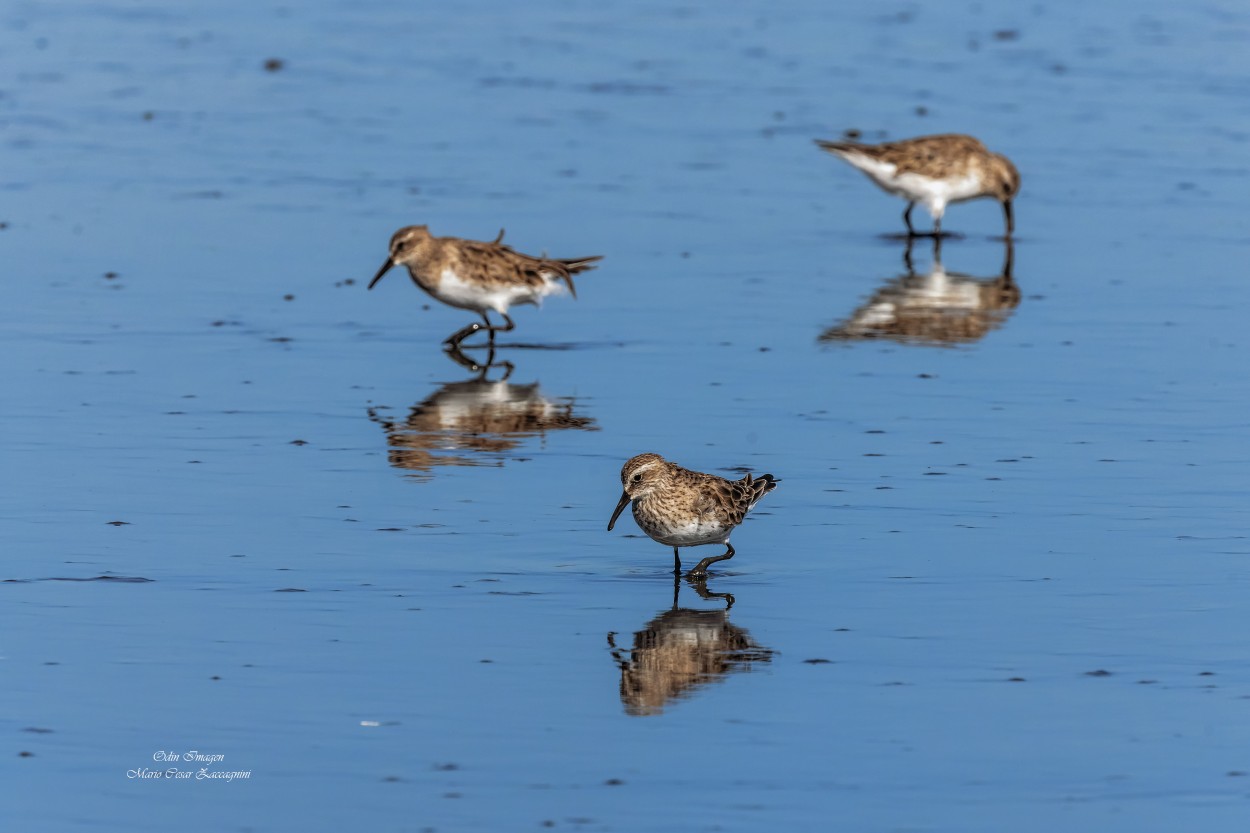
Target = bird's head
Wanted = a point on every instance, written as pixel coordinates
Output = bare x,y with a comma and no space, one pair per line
405,248
639,477
1005,177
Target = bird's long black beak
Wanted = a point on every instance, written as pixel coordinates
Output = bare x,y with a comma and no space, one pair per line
386,267
620,507
1011,223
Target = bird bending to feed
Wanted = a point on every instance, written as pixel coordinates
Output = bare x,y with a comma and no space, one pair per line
683,508
478,276
935,171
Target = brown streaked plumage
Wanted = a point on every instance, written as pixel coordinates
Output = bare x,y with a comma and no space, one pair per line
683,508
479,276
935,171
939,308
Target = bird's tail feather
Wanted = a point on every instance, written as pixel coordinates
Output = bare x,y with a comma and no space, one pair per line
763,484
576,265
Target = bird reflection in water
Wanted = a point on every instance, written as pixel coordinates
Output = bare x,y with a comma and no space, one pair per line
939,308
681,650
476,422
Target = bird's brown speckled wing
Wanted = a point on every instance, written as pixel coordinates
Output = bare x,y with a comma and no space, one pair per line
497,263
728,501
945,155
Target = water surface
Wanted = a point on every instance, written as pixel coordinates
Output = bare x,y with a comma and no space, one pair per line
1001,586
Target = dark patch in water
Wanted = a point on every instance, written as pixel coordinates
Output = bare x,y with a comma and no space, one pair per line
624,88
569,345
115,579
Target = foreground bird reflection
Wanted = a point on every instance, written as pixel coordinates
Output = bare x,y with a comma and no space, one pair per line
680,650
475,422
938,308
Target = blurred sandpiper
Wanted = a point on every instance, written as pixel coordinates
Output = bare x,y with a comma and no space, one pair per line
479,276
934,171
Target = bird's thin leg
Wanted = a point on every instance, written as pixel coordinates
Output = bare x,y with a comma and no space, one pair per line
911,269
937,226
911,232
676,562
700,569
676,589
490,331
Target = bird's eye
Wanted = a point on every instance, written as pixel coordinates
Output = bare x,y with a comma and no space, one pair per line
399,247
637,478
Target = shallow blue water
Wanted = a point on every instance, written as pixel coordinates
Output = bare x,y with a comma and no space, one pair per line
965,531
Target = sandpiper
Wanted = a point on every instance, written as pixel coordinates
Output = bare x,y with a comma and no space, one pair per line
935,171
683,508
479,276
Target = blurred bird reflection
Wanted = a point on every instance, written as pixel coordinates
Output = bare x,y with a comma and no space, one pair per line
939,308
475,422
681,650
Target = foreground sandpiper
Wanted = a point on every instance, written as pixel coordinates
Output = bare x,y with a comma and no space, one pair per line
934,171
479,276
683,508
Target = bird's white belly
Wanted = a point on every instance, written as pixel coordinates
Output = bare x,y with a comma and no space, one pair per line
936,194
882,173
686,534
455,291
458,292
